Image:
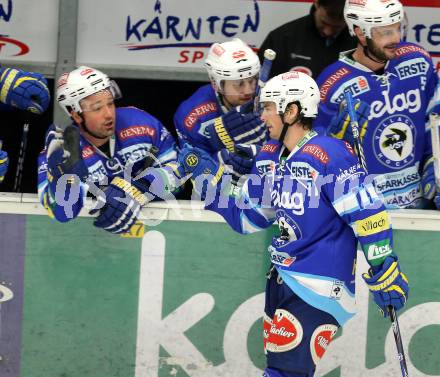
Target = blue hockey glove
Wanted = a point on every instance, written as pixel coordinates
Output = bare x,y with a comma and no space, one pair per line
240,161
24,90
389,285
428,183
197,162
236,128
122,204
64,157
4,162
340,127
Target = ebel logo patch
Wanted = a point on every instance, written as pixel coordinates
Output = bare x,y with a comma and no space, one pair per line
379,250
373,224
201,110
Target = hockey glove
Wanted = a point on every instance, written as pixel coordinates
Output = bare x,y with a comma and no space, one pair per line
198,163
64,157
389,285
340,127
4,162
240,162
428,183
236,128
24,90
123,201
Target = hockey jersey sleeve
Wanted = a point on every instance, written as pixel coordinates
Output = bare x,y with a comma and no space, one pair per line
66,202
193,116
160,166
354,198
248,208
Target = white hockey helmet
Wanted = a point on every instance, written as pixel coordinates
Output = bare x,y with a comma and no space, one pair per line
74,86
367,14
292,87
232,60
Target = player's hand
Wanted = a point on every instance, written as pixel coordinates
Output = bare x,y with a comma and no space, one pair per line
4,162
64,156
428,183
236,128
198,163
24,90
123,201
240,161
389,285
340,127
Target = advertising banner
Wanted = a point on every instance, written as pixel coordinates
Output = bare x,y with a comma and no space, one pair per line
183,298
172,33
29,30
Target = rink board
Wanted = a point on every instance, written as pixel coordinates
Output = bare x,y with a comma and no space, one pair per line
181,298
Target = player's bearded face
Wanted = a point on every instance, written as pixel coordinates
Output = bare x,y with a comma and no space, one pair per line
99,114
239,92
384,41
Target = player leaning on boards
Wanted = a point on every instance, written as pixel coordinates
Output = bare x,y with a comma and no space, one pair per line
21,90
395,83
218,117
298,180
104,146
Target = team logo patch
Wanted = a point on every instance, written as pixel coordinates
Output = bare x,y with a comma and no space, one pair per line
267,324
357,86
321,338
135,131
218,50
373,224
331,81
285,332
87,152
317,152
301,68
405,50
265,167
63,79
393,141
240,54
269,148
199,111
289,230
191,160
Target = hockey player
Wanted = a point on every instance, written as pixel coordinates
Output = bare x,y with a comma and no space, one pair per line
218,117
104,145
313,186
21,90
393,83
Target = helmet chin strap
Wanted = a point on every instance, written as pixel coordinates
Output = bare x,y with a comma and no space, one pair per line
286,127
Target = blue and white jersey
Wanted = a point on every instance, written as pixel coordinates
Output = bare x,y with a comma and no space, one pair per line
135,133
318,197
194,115
397,142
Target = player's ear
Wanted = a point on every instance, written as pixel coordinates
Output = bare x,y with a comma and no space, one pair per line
76,117
360,35
291,113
